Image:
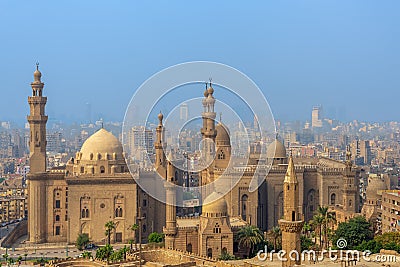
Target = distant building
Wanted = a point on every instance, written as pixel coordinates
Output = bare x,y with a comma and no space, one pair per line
361,152
183,112
390,211
54,142
316,117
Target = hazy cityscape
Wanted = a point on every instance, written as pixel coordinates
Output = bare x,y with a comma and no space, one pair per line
219,134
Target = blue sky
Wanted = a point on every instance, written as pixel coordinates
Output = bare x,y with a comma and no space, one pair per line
342,54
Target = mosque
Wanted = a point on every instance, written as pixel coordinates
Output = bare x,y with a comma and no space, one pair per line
96,186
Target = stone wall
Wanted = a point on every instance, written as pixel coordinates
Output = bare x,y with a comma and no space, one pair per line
19,231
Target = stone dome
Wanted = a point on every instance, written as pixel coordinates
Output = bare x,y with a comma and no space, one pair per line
215,206
101,145
222,134
276,150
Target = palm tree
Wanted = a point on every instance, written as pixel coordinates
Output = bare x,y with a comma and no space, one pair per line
248,237
110,226
327,219
134,228
276,233
317,222
306,229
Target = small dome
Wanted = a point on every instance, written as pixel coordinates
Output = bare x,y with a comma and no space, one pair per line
160,117
205,93
210,90
101,142
276,150
215,206
222,133
37,75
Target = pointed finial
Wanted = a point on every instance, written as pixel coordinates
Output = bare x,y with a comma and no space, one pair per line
220,117
37,65
102,125
290,176
210,79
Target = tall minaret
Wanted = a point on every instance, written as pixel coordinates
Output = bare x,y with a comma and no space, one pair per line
37,122
170,229
292,221
208,131
37,219
159,144
350,185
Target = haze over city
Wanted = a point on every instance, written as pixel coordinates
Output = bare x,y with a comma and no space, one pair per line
342,55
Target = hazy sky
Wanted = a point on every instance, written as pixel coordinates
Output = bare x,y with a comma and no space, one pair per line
342,54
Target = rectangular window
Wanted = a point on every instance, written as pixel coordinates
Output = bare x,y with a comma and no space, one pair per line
57,230
58,204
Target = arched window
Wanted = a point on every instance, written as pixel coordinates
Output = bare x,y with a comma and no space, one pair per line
118,212
244,207
217,229
293,216
224,251
221,155
83,213
144,228
102,169
209,252
333,199
189,247
57,218
350,203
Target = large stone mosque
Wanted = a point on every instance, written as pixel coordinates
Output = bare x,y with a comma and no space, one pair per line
96,186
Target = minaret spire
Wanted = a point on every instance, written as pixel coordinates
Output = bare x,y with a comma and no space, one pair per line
37,122
292,222
37,221
159,144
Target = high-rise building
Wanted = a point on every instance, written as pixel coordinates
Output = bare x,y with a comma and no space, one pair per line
316,117
54,142
183,112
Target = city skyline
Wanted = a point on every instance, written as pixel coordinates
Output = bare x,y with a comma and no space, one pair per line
298,54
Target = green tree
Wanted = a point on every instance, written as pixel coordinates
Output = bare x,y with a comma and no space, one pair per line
104,253
82,241
276,234
306,243
248,237
327,219
133,228
110,227
225,256
370,245
155,237
316,224
355,231
87,255
387,238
